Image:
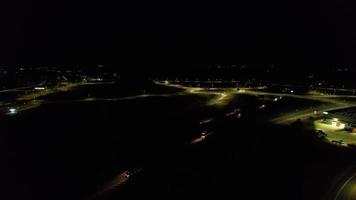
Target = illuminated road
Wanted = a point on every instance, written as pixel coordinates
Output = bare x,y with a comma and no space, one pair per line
330,102
333,102
218,97
310,96
21,88
222,95
61,88
347,190
287,118
29,101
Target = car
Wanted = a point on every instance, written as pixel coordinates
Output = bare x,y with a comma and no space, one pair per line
339,142
127,175
262,106
342,143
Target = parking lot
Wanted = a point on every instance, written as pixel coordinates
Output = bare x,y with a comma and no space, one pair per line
335,133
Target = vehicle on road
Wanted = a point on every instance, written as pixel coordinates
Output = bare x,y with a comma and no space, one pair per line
339,142
235,113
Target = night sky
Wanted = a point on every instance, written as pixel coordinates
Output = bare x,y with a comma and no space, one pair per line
177,32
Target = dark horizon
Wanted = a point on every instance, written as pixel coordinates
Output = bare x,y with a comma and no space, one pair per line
266,32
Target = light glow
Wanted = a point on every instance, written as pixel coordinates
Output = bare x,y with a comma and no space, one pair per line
12,110
222,96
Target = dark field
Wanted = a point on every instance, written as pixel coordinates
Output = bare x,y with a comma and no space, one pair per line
110,91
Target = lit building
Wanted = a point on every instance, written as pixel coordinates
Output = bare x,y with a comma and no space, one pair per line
343,118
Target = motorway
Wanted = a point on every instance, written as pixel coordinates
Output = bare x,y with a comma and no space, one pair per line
218,97
329,102
30,101
21,88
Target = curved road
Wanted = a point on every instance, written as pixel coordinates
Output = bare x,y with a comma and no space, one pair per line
347,190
